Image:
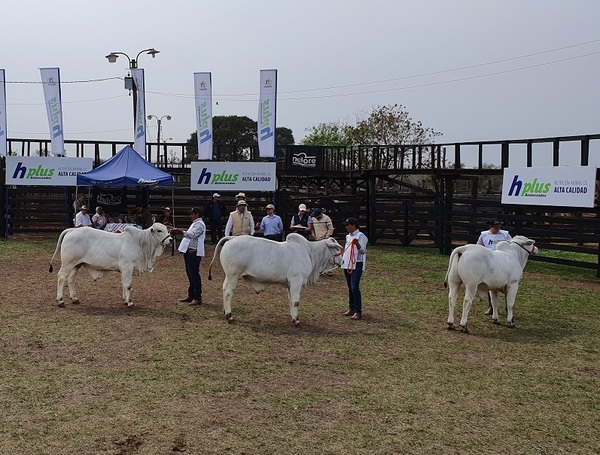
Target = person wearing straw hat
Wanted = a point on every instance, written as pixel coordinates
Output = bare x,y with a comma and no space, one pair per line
166,218
240,221
354,259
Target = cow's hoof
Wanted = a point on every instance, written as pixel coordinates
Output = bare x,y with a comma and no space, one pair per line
464,329
129,304
511,325
61,304
230,320
76,302
495,321
296,322
450,326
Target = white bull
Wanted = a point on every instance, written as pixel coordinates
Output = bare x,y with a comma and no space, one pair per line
482,270
294,263
100,251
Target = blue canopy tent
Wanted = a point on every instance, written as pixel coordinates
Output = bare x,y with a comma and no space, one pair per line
127,168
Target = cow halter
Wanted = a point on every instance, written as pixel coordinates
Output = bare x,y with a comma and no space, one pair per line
528,252
166,237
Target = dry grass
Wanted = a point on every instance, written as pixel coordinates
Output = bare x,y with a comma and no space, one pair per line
162,378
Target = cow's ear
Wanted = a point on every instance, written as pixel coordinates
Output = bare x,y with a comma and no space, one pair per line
151,229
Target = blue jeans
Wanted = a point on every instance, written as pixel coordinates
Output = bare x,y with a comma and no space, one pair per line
353,280
192,269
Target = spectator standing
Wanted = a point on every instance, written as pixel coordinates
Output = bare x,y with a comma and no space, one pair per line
240,196
143,217
271,225
489,239
300,223
192,247
99,219
240,221
166,218
322,226
82,218
80,201
215,211
354,259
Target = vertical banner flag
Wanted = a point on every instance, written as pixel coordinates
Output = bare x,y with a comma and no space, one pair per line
204,123
51,84
3,142
139,144
267,110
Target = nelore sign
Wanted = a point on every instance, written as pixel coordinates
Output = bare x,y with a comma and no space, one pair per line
305,158
568,186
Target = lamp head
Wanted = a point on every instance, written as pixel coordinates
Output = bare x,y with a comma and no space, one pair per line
112,57
153,52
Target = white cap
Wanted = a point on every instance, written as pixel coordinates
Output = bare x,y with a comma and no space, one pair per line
216,195
302,207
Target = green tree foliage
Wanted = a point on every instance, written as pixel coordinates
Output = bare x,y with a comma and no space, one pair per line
385,125
234,136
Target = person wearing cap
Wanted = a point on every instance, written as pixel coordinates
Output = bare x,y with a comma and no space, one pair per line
322,226
271,225
301,222
489,239
166,218
192,247
240,196
82,218
240,221
354,259
215,210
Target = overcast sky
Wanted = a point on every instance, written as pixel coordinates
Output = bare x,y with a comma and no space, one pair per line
470,69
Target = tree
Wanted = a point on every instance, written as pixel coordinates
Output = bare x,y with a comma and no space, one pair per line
335,133
235,136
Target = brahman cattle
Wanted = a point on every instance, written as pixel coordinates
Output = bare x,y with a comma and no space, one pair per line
100,251
294,263
482,270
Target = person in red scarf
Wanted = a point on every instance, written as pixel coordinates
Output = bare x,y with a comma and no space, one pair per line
354,259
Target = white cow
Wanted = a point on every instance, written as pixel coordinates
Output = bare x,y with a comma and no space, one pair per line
483,270
294,263
100,251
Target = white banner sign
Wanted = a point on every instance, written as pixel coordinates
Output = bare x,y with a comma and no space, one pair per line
3,142
139,144
267,110
204,124
569,186
51,84
45,171
229,176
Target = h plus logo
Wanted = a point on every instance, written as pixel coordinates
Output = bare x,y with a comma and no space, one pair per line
535,188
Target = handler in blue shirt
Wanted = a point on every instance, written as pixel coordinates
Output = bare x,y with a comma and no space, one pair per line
272,225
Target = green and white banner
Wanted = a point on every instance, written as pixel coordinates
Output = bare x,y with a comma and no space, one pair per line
3,141
51,84
139,144
568,186
267,113
204,123
233,176
45,171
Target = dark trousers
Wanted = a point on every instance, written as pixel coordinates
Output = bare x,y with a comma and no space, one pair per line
353,281
216,230
192,269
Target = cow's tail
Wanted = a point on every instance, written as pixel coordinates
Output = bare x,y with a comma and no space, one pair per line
217,249
58,244
456,252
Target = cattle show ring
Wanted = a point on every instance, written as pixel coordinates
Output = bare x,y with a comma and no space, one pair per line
117,365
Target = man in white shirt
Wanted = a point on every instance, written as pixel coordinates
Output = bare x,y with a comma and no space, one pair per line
490,239
192,247
82,218
240,221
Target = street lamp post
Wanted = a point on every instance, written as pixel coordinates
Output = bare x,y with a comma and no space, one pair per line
158,132
133,63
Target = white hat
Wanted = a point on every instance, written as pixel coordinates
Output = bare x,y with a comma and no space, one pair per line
167,208
241,195
302,207
216,195
241,202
